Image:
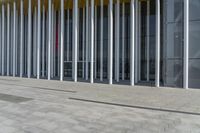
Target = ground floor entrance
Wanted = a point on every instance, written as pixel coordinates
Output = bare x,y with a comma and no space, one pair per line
146,42
142,42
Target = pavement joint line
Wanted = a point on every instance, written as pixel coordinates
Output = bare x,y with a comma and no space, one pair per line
42,88
134,106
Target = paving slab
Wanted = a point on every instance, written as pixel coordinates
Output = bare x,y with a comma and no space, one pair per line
68,107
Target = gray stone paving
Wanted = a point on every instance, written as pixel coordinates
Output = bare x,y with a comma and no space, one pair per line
50,109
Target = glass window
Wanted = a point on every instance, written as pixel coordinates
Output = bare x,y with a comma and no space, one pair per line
194,73
194,45
194,10
194,35
173,43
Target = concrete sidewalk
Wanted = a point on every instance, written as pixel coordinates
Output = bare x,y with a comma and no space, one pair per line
30,105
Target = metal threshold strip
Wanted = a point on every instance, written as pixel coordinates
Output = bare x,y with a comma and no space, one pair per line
135,106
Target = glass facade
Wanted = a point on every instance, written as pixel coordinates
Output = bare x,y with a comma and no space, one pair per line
173,43
20,57
194,46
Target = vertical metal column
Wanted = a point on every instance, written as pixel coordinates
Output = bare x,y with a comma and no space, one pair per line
35,42
157,72
11,41
38,39
25,42
14,38
17,43
87,39
73,18
0,41
62,41
110,53
83,54
139,40
78,51
54,43
8,39
123,40
186,43
132,44
117,39
21,38
43,39
29,38
95,40
75,34
101,42
148,39
52,40
68,42
92,44
3,41
46,43
49,40
59,22
136,41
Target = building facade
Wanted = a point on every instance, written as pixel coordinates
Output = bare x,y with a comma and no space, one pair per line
146,42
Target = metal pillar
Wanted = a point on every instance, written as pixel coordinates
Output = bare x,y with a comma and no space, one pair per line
25,42
59,23
136,42
87,39
29,38
92,44
49,40
148,40
78,51
11,41
157,72
123,40
101,43
17,43
35,42
54,43
75,37
62,41
132,44
115,42
3,41
43,40
52,40
14,38
21,38
8,39
139,41
46,43
68,42
0,41
38,39
83,53
117,39
110,53
186,43
95,47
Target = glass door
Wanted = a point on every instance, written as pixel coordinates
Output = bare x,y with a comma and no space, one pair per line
146,42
